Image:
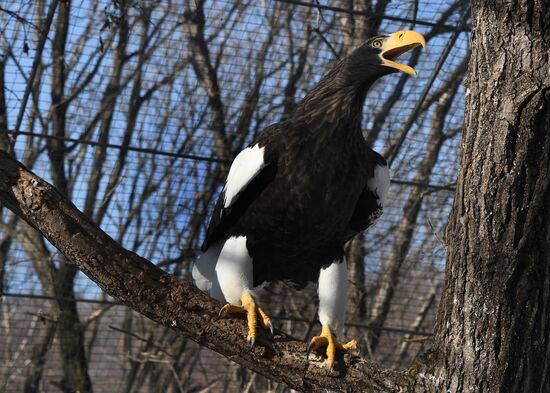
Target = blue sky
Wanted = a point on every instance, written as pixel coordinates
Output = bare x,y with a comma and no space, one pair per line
176,118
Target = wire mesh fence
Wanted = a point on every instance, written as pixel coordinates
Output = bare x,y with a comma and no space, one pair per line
135,109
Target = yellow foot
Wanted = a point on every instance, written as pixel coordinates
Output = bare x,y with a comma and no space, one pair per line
327,339
251,310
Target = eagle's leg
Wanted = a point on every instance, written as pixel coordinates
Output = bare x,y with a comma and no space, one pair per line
265,321
253,314
328,340
333,286
234,283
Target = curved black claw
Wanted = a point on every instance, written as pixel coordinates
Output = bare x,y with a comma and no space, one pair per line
308,349
251,343
270,326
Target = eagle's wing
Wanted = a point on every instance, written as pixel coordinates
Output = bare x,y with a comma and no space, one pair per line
371,201
366,211
251,172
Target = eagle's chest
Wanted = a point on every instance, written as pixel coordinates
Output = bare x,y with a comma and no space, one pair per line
319,190
329,172
324,188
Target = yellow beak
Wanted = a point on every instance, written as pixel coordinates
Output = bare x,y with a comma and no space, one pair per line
397,44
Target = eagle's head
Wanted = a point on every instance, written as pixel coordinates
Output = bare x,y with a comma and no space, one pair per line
345,86
377,56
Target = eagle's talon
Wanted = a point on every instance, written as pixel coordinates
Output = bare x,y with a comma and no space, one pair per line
330,366
252,311
308,349
251,342
327,339
315,343
350,346
265,320
223,311
231,309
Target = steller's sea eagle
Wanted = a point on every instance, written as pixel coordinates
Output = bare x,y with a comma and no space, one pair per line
299,192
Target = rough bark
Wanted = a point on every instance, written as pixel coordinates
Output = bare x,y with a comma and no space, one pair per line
494,322
296,66
360,27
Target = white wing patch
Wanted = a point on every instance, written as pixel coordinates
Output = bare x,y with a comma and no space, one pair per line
380,183
246,165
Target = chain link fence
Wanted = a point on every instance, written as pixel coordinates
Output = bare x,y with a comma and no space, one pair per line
134,110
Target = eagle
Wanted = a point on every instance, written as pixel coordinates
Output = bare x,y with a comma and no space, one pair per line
302,189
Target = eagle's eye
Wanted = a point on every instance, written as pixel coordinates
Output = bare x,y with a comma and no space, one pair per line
377,43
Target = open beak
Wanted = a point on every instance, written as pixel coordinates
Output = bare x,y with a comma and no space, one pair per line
397,44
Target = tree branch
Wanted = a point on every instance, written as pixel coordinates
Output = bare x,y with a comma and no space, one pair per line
169,301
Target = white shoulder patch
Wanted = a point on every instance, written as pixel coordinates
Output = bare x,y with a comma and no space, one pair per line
246,165
380,183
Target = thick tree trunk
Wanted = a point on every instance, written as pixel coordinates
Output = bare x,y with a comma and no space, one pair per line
494,322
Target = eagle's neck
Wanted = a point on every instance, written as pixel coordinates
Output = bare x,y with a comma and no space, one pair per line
334,105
